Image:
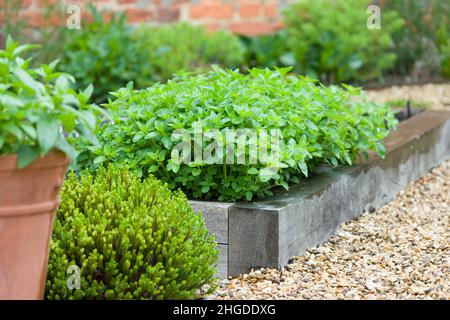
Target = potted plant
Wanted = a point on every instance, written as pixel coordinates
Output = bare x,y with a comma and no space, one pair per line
39,113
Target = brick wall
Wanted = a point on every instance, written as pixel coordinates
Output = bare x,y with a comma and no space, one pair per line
249,17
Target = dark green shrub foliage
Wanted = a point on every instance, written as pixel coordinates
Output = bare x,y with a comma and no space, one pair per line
111,54
132,239
445,56
105,54
176,47
330,40
318,125
426,25
269,50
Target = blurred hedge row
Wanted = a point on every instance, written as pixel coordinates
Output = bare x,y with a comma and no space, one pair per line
328,40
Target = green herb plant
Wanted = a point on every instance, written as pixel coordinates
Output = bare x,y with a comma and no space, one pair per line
38,107
318,124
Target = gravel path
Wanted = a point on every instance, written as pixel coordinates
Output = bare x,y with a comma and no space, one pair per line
401,251
437,96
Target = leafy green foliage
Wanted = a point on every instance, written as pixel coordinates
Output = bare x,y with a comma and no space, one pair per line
176,47
111,54
269,50
36,104
426,23
330,40
11,23
105,54
318,125
131,239
445,58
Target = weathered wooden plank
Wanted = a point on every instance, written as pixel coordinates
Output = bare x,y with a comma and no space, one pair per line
215,215
268,232
222,264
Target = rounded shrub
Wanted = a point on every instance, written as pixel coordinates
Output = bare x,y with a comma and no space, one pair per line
297,123
130,239
105,54
181,46
331,41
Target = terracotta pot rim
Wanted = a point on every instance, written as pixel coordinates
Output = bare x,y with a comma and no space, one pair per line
29,209
50,160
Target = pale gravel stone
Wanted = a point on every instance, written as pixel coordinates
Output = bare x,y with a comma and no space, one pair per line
436,95
401,251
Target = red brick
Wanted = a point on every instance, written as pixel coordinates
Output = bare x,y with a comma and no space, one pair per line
24,3
253,16
253,28
44,3
271,10
40,19
168,13
138,15
127,1
211,10
249,10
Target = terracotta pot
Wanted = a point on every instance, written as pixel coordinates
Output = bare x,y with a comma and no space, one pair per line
29,198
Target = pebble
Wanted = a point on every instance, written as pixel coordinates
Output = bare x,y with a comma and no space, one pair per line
400,251
436,96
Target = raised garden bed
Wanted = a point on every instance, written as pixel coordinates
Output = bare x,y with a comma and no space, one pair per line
269,232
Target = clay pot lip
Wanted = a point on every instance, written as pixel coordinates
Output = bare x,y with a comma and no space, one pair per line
50,160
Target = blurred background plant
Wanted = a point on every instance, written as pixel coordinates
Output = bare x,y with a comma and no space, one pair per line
182,46
322,38
331,42
104,53
109,52
11,24
270,50
422,44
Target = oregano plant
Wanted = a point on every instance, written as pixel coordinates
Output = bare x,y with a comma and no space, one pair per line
38,107
192,114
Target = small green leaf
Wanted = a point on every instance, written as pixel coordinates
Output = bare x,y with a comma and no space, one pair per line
311,125
25,156
28,80
99,159
88,91
25,47
47,132
303,168
29,130
285,185
10,42
68,121
89,118
196,171
62,145
266,174
10,101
